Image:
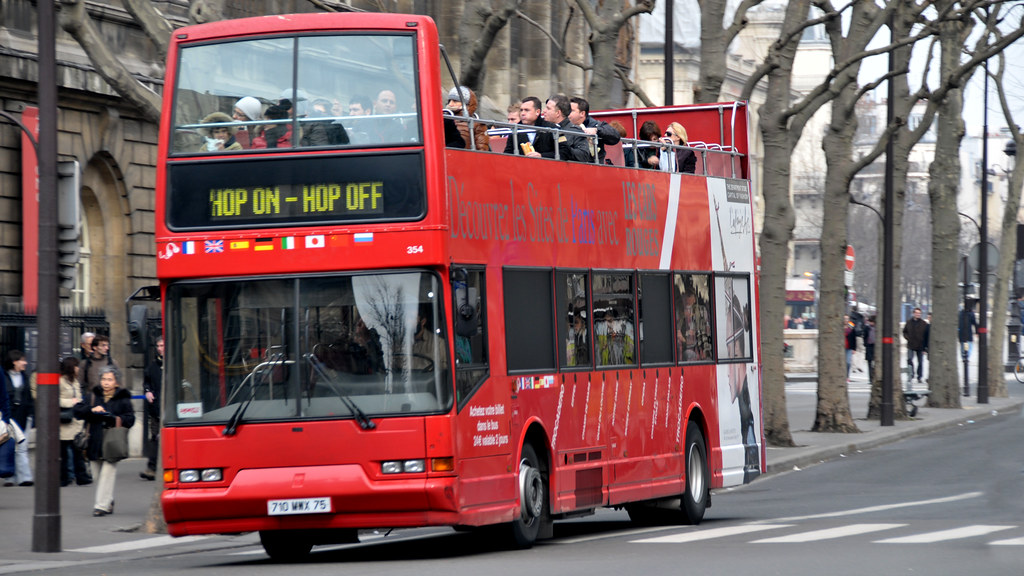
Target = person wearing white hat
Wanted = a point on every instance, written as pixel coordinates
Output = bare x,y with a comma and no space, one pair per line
247,109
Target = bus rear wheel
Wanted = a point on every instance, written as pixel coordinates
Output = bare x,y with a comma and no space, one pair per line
285,545
533,500
695,498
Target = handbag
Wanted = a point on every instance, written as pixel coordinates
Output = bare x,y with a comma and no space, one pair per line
115,444
67,415
81,440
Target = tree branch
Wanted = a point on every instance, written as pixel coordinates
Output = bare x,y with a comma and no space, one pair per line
75,20
153,23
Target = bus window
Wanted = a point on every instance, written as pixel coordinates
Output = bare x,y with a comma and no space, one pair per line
693,318
471,364
529,320
253,347
319,75
572,295
732,312
654,312
614,333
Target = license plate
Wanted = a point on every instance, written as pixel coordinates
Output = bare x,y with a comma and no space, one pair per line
299,506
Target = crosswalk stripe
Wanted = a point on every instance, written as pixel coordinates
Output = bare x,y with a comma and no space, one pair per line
829,533
1008,542
710,534
943,535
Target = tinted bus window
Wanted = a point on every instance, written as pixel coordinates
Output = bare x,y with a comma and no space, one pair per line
614,333
735,333
655,314
341,90
694,340
529,316
331,342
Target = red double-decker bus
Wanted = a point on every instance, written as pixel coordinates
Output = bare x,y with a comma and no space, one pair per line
367,329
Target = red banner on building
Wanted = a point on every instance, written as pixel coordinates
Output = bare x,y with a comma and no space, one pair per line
30,212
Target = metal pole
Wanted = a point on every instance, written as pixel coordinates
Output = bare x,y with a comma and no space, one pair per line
964,346
46,521
669,53
983,260
888,316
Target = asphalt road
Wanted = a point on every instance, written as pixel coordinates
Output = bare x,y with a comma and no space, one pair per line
945,503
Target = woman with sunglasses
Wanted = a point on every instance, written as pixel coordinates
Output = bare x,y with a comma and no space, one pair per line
684,160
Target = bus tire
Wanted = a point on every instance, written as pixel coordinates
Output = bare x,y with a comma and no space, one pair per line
285,545
694,500
533,500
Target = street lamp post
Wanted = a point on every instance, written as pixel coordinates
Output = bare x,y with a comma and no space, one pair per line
983,260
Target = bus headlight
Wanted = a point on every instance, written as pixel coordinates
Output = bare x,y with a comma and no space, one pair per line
399,466
204,475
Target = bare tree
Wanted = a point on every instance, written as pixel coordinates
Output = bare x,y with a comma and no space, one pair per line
714,45
1008,241
479,26
781,125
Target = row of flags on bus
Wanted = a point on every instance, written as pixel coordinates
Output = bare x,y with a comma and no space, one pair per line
267,244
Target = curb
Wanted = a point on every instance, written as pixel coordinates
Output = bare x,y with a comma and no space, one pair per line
786,462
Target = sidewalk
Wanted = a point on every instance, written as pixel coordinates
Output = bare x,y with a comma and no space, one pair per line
814,447
88,539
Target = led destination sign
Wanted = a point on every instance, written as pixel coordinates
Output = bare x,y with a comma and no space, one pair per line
293,191
329,199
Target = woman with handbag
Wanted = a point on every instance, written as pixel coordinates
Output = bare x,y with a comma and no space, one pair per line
108,415
72,461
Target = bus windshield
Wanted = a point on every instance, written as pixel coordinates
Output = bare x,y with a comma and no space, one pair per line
352,346
323,91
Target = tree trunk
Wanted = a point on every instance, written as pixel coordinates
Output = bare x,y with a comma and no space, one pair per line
944,178
833,409
778,140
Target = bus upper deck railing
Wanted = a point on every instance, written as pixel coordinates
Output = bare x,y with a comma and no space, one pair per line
713,159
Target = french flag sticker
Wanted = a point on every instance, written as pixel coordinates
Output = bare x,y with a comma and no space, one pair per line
188,247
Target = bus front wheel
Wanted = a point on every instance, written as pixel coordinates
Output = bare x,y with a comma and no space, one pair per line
285,545
533,496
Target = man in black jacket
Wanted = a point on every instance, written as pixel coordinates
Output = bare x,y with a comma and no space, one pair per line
580,117
915,332
152,383
540,143
570,146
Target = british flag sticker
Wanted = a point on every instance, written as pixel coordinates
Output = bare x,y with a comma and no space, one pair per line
213,246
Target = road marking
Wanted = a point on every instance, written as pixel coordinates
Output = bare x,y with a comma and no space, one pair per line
943,535
1008,542
616,534
710,534
828,533
138,544
881,508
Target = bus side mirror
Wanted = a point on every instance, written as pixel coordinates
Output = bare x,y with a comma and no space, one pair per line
137,331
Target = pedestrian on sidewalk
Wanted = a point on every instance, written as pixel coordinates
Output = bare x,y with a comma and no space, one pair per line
915,332
106,407
17,381
152,383
869,346
73,465
966,329
851,342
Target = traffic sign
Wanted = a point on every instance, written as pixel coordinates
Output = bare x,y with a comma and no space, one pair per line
974,258
849,258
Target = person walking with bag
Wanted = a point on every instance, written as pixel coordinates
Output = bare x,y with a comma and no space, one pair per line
108,415
72,461
17,381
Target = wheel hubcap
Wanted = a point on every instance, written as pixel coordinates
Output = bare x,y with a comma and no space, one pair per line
531,492
695,474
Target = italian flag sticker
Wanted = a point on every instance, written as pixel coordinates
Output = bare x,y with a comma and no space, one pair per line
288,243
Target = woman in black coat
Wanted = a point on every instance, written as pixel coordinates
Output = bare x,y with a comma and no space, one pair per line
107,406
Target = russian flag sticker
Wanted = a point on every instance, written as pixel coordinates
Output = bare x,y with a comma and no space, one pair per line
363,237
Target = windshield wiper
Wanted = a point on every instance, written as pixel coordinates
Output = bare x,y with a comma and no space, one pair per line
263,370
364,421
